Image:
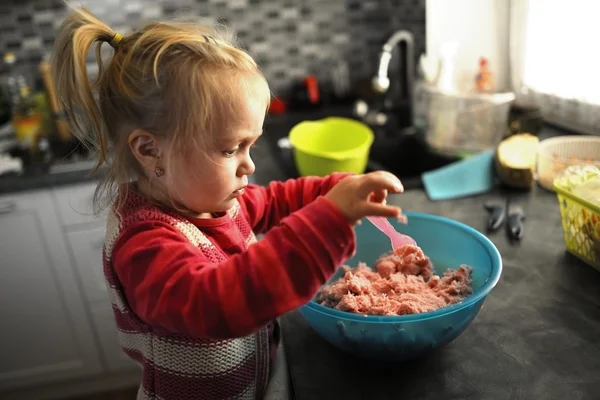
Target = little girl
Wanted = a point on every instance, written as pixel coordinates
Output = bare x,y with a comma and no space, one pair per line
173,115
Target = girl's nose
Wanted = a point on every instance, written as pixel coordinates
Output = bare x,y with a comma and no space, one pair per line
247,167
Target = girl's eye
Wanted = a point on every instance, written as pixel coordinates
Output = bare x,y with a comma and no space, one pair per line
230,153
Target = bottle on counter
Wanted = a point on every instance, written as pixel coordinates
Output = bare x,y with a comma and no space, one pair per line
13,81
484,79
27,118
55,108
5,111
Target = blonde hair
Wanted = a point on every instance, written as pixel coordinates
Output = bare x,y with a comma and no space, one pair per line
168,78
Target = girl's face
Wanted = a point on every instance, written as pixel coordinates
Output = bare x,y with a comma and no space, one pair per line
208,181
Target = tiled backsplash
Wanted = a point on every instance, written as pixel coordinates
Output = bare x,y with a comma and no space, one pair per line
289,38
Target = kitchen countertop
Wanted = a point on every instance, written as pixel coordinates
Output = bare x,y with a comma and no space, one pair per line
272,163
536,337
65,173
57,175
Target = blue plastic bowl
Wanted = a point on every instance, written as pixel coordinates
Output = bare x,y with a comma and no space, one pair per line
448,244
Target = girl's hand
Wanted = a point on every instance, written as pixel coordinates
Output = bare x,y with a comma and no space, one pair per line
359,196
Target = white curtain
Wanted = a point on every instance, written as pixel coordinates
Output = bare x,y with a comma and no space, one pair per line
555,61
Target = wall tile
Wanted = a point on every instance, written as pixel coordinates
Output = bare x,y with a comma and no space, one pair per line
289,38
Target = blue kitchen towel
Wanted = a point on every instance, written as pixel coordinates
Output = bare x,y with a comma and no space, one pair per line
473,175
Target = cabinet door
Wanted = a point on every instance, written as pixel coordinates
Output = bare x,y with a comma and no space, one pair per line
75,204
87,253
115,358
46,333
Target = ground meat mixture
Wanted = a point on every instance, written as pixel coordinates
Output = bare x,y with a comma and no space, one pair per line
403,284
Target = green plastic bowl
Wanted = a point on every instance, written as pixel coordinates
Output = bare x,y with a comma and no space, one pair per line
331,145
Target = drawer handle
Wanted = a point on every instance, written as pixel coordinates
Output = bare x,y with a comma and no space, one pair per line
7,207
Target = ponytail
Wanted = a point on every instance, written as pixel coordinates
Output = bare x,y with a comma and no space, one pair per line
79,31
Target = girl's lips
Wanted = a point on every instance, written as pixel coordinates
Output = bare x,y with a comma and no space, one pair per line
239,192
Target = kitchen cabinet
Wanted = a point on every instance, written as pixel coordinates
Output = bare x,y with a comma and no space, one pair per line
85,239
74,204
47,335
87,246
115,358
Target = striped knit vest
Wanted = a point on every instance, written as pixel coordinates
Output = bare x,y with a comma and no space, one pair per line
177,366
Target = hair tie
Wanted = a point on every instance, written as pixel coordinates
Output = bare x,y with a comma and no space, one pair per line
116,39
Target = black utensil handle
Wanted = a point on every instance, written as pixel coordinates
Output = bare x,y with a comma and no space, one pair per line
516,226
496,218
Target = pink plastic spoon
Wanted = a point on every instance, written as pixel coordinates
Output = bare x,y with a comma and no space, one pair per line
398,239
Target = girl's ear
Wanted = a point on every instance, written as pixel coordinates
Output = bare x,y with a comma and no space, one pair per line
147,149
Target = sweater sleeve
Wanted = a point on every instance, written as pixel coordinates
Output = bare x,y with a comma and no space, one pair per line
265,207
169,283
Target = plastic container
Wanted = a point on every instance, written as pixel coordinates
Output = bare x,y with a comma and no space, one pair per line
457,124
331,145
580,217
448,244
558,153
467,177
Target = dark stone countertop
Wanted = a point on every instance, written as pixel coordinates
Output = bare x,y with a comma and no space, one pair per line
536,337
272,163
56,175
65,173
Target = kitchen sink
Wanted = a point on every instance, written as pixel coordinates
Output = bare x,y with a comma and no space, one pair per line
403,152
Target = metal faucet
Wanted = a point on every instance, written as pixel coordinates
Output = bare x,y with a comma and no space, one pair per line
399,99
381,82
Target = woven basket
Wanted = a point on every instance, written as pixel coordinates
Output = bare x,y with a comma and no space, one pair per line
581,226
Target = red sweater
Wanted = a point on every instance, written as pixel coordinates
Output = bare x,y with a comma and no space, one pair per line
234,289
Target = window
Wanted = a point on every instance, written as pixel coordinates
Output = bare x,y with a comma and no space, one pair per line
554,60
561,55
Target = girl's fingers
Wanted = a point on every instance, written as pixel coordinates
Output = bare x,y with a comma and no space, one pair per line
400,187
376,182
378,196
381,210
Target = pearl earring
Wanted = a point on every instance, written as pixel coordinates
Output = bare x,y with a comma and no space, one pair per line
159,171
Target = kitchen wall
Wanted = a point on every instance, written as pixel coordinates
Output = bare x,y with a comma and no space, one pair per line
480,27
289,38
